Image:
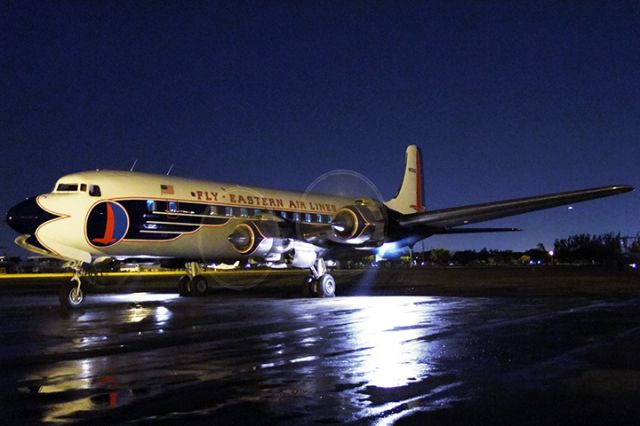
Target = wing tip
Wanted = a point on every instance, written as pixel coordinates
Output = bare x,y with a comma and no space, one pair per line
622,188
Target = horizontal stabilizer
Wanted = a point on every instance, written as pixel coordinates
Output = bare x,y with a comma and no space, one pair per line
458,216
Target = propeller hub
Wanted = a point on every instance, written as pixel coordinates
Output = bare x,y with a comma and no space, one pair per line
345,223
242,238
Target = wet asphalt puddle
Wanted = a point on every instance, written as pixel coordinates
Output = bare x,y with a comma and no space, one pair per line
162,359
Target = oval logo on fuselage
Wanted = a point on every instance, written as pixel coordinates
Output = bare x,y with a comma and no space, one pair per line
107,224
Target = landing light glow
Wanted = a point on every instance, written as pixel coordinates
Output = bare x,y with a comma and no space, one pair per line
388,249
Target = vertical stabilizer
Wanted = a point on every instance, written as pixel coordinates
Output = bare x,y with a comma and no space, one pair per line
410,196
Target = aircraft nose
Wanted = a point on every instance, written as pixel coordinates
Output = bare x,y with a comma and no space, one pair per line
27,216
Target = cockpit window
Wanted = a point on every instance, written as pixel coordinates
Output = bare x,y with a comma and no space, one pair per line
94,190
67,187
83,187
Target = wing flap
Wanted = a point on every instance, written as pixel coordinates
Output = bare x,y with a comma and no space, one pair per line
458,216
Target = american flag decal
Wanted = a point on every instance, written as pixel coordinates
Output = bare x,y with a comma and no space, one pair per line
166,189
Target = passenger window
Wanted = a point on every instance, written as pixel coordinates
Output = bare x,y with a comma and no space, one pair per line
151,206
296,217
228,211
244,212
319,218
173,206
307,217
284,215
213,210
94,191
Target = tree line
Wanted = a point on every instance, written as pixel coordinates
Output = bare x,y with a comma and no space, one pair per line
606,249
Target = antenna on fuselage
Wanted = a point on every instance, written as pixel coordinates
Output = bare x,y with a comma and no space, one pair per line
170,168
133,166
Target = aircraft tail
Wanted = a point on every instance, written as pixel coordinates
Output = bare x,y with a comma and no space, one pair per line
410,196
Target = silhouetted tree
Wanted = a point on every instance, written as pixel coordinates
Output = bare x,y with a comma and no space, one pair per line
586,248
440,256
464,257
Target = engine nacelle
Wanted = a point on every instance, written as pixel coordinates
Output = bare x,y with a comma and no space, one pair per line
303,258
360,223
251,239
264,240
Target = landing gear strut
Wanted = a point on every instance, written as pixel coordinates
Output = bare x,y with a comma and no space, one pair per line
70,294
193,283
320,283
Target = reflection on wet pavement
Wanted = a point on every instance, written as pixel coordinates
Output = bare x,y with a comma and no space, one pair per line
157,357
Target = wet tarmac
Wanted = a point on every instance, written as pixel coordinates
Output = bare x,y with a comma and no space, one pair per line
237,359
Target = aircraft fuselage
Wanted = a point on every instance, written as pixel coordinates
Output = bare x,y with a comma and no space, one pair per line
113,213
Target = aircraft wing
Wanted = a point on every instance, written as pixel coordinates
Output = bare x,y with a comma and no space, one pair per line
465,230
458,216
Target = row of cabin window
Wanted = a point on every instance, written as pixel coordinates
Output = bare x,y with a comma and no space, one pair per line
94,190
173,207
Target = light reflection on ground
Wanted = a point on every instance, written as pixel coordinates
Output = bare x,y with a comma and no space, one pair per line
140,297
131,358
387,326
380,332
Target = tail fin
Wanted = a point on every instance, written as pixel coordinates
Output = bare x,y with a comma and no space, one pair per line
410,196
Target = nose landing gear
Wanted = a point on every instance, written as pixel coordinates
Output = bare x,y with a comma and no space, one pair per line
71,295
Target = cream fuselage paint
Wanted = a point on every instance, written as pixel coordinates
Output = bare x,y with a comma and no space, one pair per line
68,235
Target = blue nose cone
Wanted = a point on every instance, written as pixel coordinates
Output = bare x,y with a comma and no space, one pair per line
27,216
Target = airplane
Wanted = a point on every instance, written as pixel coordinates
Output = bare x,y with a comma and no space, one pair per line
95,215
226,266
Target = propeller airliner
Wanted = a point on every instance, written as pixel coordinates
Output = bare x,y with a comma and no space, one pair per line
96,215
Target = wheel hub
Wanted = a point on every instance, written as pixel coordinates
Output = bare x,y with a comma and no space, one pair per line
75,295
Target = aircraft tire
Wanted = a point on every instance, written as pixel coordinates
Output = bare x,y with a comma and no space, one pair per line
326,286
198,286
183,285
309,287
70,296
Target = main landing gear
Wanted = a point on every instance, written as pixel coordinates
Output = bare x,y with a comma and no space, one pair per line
320,283
70,294
193,283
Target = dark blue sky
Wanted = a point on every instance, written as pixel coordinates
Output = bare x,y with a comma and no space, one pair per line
505,100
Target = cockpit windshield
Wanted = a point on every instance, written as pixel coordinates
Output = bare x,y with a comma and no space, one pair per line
67,187
93,190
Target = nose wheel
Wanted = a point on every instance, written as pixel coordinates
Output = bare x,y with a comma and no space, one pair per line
71,295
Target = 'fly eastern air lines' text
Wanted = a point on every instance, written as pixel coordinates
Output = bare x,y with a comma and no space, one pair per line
267,202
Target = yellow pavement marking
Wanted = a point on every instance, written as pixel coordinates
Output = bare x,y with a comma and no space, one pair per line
156,273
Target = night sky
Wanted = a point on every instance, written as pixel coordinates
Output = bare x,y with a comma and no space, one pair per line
505,100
